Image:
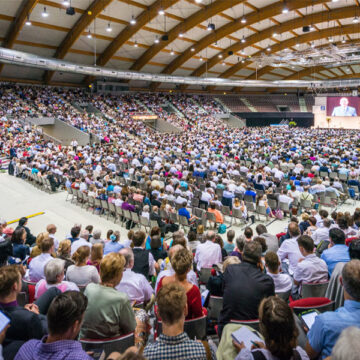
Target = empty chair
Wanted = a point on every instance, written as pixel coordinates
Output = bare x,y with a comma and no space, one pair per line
120,344
284,207
320,304
144,221
261,210
211,218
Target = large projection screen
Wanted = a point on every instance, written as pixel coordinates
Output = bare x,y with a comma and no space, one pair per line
343,106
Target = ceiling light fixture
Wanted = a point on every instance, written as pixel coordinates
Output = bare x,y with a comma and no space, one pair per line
136,44
181,35
201,59
275,34
66,3
297,45
242,61
156,41
172,52
355,20
28,22
243,40
44,13
311,28
109,29
161,12
243,20
285,10
211,27
220,56
223,63
89,36
343,40
133,20
192,49
198,1
268,48
331,39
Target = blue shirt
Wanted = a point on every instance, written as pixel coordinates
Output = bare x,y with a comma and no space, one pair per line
334,255
184,212
328,326
58,350
112,246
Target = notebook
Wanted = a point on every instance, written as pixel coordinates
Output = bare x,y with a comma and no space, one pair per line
246,336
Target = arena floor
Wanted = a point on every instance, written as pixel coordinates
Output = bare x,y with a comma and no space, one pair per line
20,198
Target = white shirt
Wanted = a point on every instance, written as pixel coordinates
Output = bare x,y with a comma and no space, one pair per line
205,196
320,234
285,199
312,269
56,241
282,282
135,286
76,244
190,277
207,254
37,265
289,250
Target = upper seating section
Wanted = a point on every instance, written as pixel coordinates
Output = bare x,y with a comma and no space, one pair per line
265,103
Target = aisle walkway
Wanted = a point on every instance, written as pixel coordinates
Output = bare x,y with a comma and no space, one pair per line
20,198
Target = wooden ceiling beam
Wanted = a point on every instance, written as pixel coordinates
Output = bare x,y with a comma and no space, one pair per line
267,33
189,23
252,18
24,11
95,8
347,29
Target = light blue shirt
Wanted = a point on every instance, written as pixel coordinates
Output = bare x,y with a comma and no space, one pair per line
328,326
334,255
112,246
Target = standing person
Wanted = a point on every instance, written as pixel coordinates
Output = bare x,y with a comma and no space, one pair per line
64,318
74,144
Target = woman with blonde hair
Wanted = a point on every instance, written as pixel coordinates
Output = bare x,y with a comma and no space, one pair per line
64,252
81,273
109,313
96,255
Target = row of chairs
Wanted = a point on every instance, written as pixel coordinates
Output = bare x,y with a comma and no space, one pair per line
39,182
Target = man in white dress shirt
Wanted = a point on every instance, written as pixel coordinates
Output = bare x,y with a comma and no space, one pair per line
311,269
83,241
289,252
208,253
37,264
134,285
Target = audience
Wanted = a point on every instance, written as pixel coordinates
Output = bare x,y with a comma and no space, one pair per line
282,282
109,313
173,342
64,319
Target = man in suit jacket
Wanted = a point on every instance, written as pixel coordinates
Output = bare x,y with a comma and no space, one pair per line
26,322
245,285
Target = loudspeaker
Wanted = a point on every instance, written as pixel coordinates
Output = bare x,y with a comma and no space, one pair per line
306,28
165,37
70,11
230,53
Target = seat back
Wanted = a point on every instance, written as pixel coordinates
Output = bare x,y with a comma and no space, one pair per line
237,213
204,275
252,323
319,304
215,306
119,344
194,328
284,295
309,290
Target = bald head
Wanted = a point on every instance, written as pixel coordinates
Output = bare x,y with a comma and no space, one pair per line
129,257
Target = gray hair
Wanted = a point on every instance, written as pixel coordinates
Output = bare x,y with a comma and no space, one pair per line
128,255
252,252
210,235
52,269
347,346
97,234
146,208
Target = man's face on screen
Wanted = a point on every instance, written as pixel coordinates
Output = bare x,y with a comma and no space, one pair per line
344,102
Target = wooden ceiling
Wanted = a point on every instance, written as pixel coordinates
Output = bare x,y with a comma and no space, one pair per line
190,49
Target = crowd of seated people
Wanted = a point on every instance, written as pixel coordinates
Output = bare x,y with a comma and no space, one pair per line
145,269
207,167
